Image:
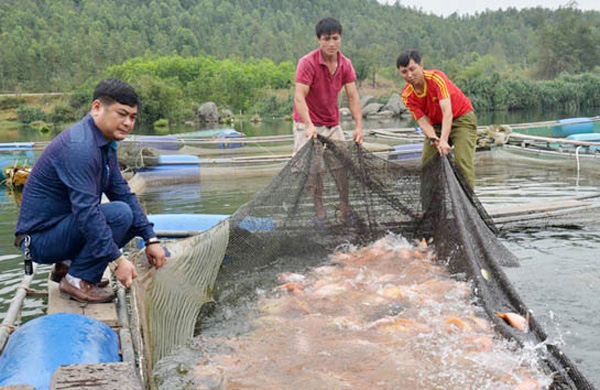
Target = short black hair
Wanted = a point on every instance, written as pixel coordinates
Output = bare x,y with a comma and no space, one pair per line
109,91
406,56
328,26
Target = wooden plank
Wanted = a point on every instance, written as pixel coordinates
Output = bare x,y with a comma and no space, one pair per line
105,376
59,303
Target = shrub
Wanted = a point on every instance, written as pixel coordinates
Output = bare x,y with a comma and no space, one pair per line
28,114
11,103
61,113
161,126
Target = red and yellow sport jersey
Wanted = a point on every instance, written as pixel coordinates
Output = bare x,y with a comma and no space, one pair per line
437,87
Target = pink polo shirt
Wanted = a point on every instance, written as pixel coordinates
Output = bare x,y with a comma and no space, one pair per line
324,88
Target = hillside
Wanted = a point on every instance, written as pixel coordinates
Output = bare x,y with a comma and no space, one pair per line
57,45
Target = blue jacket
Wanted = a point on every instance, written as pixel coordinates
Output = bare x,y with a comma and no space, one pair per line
69,178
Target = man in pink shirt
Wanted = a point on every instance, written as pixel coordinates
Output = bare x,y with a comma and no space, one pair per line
320,76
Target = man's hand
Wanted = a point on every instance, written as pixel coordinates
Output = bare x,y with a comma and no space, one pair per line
125,273
357,136
311,131
155,255
443,147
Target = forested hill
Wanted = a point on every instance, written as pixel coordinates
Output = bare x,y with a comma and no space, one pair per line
56,45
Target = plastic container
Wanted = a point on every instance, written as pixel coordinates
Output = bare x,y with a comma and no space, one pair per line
174,165
36,349
573,126
406,152
180,223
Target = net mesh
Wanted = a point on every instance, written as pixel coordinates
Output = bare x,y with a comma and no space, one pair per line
171,298
363,198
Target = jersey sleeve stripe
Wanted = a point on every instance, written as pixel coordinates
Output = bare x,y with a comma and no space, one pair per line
441,83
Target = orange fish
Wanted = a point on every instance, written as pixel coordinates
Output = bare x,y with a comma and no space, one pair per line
515,320
293,287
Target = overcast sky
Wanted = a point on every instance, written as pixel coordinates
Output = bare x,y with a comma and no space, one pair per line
446,7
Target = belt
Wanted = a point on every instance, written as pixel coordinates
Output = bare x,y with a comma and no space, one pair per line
19,238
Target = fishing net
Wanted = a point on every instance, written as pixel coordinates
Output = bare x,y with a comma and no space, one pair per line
169,300
363,198
134,155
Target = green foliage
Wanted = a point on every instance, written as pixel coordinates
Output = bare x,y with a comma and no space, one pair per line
569,44
161,98
63,112
161,126
494,92
271,106
11,102
41,126
27,114
57,45
168,85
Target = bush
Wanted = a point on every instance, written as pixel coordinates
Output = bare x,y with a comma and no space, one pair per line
161,126
11,103
61,113
41,126
272,106
28,114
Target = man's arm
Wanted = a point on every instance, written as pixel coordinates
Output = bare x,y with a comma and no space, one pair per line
428,130
302,109
356,111
446,106
119,190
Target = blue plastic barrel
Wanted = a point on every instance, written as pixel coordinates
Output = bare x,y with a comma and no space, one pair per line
406,152
573,126
181,223
185,222
36,349
174,165
587,137
228,135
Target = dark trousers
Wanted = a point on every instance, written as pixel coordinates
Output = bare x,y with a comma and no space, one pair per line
66,242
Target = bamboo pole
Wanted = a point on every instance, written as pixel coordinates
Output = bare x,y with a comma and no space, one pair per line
14,310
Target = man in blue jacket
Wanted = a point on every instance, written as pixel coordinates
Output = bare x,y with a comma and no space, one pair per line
61,216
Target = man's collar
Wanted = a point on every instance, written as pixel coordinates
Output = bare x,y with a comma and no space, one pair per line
100,138
322,60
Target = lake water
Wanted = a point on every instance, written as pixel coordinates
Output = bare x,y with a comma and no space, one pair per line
559,277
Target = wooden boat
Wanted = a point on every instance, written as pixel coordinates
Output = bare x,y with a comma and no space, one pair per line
576,151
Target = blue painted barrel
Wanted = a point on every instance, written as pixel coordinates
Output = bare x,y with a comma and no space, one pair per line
229,135
587,137
406,152
180,223
185,222
573,126
36,349
160,142
11,152
164,223
174,165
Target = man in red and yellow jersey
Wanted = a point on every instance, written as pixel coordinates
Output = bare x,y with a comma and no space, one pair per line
442,111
